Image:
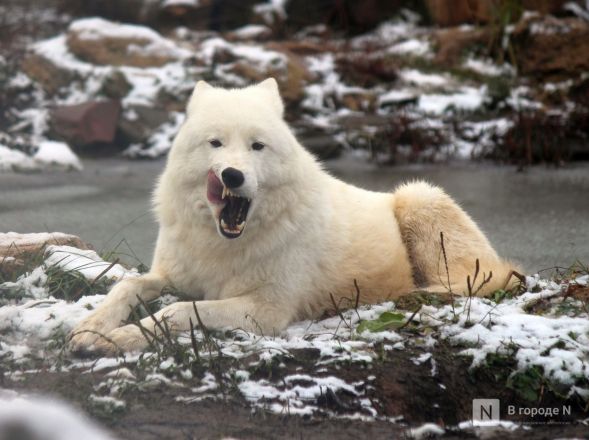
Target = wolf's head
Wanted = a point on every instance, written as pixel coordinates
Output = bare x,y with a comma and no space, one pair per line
233,151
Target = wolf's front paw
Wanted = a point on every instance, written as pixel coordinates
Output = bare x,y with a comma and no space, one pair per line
120,340
89,331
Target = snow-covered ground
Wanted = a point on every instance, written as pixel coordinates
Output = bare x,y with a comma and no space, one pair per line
553,339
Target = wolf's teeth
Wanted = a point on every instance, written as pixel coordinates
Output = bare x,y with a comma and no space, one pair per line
223,224
225,191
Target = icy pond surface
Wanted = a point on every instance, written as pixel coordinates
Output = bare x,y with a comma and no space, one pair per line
539,217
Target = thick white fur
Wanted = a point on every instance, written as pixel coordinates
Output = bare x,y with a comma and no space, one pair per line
308,234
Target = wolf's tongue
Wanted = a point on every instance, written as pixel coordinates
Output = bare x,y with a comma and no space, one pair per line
214,188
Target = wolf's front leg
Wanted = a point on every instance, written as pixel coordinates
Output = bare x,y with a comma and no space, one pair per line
115,309
253,313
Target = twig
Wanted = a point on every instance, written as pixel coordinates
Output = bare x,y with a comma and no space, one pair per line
193,340
337,310
157,323
447,272
410,318
104,272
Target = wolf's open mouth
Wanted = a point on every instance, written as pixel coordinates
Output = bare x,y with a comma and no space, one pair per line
233,215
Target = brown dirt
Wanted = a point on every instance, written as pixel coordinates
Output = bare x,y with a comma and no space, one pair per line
401,387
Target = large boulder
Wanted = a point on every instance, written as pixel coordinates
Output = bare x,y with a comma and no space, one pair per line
139,122
50,76
546,45
99,41
292,75
451,43
84,124
16,248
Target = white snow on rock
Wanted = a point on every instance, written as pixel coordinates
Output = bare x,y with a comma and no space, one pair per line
487,67
250,31
95,28
467,98
57,154
418,78
86,262
173,78
160,142
253,53
413,47
396,96
14,160
19,240
146,82
271,9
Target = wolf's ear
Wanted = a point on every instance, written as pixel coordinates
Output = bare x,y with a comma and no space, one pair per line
198,89
271,87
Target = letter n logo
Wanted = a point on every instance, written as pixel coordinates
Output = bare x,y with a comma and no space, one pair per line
485,409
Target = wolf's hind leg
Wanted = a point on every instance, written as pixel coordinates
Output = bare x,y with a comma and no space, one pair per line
252,313
424,212
115,308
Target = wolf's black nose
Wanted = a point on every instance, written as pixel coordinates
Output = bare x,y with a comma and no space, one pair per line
232,178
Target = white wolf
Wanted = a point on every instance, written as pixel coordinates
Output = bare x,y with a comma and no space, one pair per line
251,225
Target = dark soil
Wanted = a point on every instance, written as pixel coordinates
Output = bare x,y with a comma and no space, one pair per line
401,387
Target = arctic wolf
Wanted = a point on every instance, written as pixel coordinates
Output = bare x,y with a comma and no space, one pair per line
254,229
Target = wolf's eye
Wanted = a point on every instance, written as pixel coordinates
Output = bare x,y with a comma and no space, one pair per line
257,146
215,143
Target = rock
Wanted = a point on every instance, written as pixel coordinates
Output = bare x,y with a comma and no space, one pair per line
546,45
359,101
348,15
251,32
178,8
367,71
452,42
292,76
16,248
323,146
455,12
83,124
357,122
318,139
292,83
116,85
139,122
46,73
103,42
305,47
131,11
